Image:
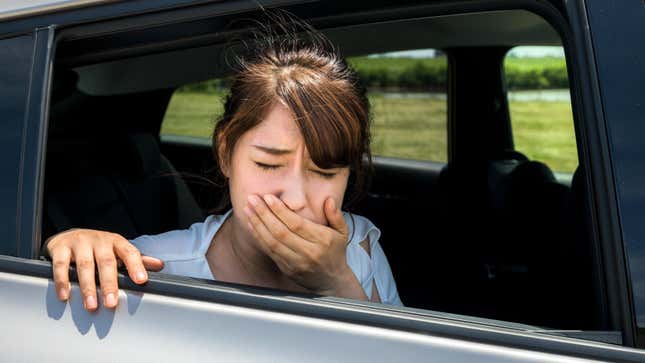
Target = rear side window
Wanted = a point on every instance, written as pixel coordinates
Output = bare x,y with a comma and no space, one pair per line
194,108
407,92
540,106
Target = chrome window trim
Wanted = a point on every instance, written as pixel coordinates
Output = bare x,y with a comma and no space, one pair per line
20,9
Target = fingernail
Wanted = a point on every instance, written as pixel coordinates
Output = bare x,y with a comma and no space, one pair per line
62,293
141,276
247,211
90,302
269,199
110,300
333,204
253,200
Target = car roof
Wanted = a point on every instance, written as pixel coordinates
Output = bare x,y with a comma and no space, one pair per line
175,67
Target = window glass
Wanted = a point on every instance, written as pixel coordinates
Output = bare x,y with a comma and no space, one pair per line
194,108
540,106
407,91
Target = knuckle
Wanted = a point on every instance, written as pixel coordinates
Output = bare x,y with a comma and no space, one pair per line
327,240
109,288
290,271
298,225
59,264
77,234
106,261
272,245
314,255
259,211
88,291
303,267
131,252
281,233
51,246
85,263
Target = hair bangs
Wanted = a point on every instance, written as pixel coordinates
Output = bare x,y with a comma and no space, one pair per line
329,122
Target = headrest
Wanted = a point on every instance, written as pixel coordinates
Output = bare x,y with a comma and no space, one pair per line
498,180
532,172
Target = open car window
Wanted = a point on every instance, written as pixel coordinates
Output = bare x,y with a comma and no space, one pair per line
475,222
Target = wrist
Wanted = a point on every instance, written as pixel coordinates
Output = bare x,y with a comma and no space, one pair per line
346,285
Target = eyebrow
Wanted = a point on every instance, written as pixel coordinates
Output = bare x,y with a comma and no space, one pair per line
272,150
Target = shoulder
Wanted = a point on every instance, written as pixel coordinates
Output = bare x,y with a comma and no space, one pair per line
362,232
363,236
183,244
366,258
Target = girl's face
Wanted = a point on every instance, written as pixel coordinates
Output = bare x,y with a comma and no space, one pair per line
272,158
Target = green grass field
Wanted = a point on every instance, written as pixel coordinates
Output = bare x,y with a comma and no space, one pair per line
399,64
535,63
412,127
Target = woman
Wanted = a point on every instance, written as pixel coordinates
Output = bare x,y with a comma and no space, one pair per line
295,126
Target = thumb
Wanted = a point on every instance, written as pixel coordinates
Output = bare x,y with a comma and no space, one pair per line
152,263
335,216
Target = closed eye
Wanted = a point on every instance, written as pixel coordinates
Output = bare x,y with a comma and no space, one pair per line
325,175
267,166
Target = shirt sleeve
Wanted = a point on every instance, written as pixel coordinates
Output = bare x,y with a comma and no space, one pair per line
179,244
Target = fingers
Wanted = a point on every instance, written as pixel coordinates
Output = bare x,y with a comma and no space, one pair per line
84,257
107,268
272,245
61,258
335,216
276,228
284,265
131,256
152,263
303,227
91,248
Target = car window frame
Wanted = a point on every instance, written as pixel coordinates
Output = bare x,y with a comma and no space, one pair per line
17,51
601,175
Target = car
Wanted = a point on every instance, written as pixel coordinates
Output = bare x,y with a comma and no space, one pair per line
496,256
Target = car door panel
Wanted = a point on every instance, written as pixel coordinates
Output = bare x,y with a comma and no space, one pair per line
158,328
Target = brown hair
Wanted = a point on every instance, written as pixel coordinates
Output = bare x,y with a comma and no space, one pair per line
306,74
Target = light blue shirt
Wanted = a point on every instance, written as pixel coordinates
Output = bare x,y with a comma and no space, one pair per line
184,253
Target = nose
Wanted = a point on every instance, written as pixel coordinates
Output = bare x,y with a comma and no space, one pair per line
293,194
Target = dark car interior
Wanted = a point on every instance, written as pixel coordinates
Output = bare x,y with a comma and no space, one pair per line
489,234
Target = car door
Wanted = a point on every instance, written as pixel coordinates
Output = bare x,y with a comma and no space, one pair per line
173,318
